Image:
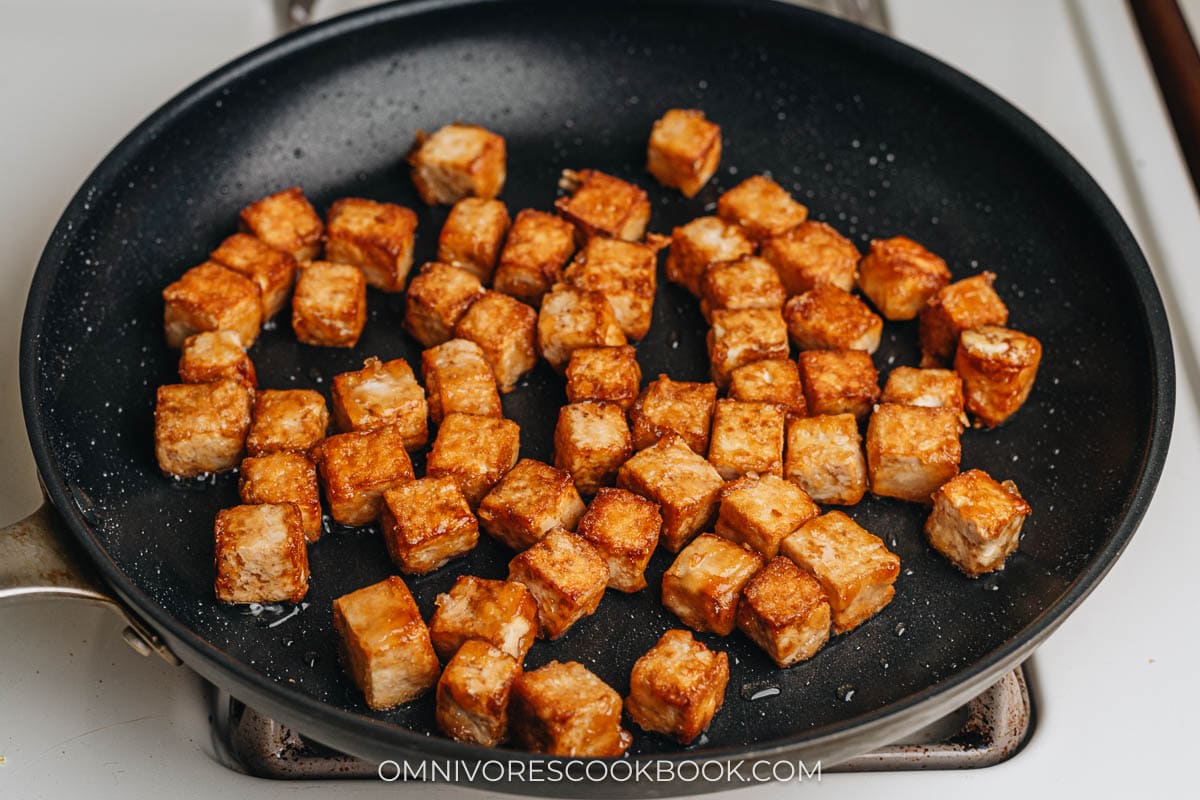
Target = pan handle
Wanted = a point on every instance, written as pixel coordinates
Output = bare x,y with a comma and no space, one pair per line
38,561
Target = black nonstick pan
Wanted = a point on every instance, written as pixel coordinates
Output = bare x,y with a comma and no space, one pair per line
876,138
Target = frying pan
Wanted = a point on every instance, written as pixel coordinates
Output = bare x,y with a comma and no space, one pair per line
875,137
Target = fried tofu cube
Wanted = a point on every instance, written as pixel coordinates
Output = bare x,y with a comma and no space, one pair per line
475,451
200,427
998,367
700,243
608,374
784,611
703,585
762,207
538,247
329,307
827,318
570,318
680,407
211,297
601,205
563,709
287,419
284,478
747,439
215,356
591,440
529,500
684,150
566,575
382,394
912,450
684,485
273,270
742,337
955,308
286,221
260,554
748,282
825,458
624,528
472,694
677,687
812,254
853,566
775,380
759,512
900,276
626,273
357,468
976,521
426,522
458,161
384,643
458,380
375,237
839,381
437,299
501,613
506,330
472,236
929,388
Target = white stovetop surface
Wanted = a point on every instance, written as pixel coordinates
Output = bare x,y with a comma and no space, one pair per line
82,714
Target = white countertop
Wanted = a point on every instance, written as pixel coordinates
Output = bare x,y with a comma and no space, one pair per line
81,713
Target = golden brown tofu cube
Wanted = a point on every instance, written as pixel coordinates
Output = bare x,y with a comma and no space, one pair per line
591,440
531,499
211,297
912,450
784,611
286,221
825,458
329,307
501,613
609,374
812,254
571,318
976,521
436,300
384,643
760,512
900,276
684,150
563,709
667,406
472,236
998,367
747,439
748,282
537,249
274,271
742,337
684,485
567,577
704,583
827,318
375,237
382,394
200,427
472,694
762,207
626,273
357,468
677,687
929,388
458,161
260,554
839,382
601,205
506,330
775,380
427,522
284,478
624,528
458,380
962,305
853,566
700,243
475,451
287,419
215,356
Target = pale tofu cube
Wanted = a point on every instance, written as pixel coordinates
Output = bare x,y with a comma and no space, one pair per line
286,221
200,427
563,709
284,478
624,528
784,611
472,236
827,318
998,367
684,150
601,205
608,374
475,451
760,512
437,298
458,380
216,356
976,521
928,388
566,575
626,273
700,243
677,687
749,282
260,554
274,271
591,440
900,276
969,303
531,499
703,585
571,318
538,247
839,382
458,161
742,337
329,306
506,330
775,380
211,297
287,420
501,613
680,407
853,566
825,458
747,439
426,522
357,468
684,485
382,394
812,254
375,237
762,207
472,694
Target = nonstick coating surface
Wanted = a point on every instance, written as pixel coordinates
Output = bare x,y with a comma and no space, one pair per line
877,139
